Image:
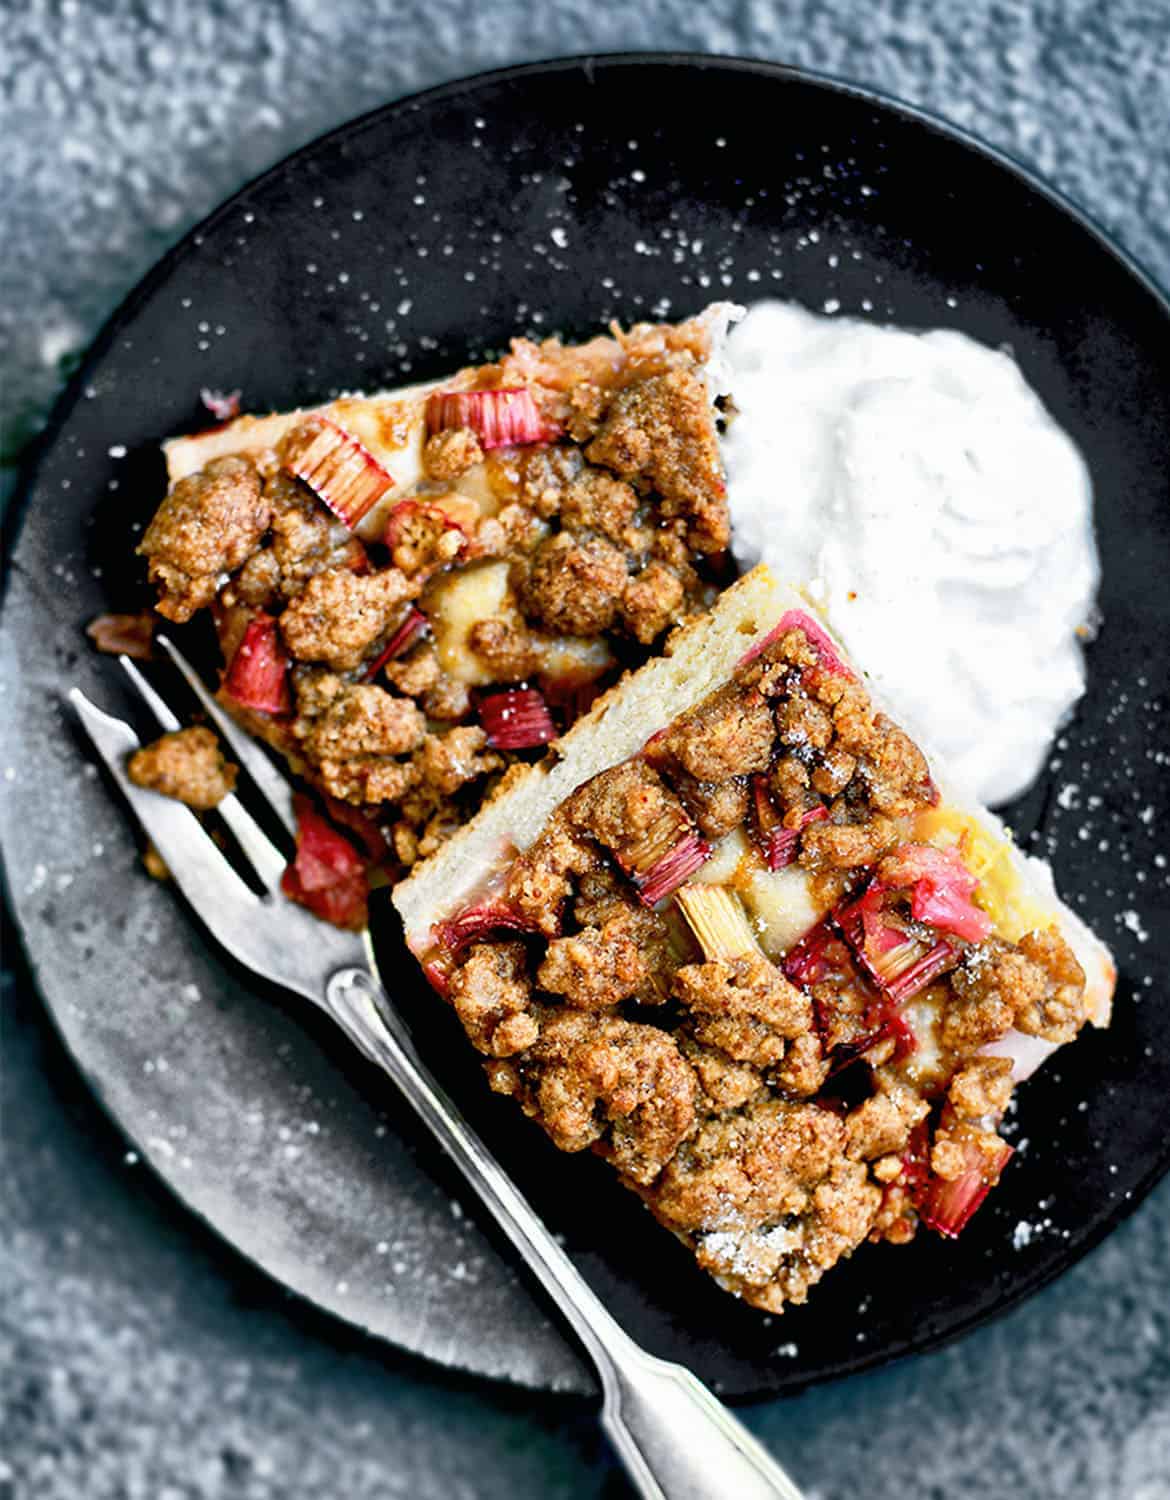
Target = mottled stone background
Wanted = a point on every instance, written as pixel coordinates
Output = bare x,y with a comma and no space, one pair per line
139,1360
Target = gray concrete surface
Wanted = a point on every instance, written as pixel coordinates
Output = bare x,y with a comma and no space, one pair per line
139,1360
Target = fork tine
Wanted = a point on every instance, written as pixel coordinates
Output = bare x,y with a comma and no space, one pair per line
199,869
167,720
158,707
269,782
265,858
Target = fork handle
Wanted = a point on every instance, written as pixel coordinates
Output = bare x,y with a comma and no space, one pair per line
676,1440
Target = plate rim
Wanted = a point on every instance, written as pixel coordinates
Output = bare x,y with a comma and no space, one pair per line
30,458
37,450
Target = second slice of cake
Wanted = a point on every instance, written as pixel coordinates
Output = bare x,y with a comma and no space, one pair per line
739,937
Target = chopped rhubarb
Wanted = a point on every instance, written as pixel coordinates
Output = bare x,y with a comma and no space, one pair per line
916,1159
664,877
899,961
437,972
865,925
776,841
851,1015
328,875
898,1028
779,849
516,719
572,692
946,1205
889,965
223,405
501,418
414,626
490,916
819,953
342,473
828,657
766,811
641,852
257,677
911,980
361,823
947,908
718,920
941,887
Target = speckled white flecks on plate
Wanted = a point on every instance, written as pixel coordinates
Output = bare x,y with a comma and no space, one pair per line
163,110
125,123
704,261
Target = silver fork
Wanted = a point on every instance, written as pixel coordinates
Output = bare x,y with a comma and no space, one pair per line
676,1440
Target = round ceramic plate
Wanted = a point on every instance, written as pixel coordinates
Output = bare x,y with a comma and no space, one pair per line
544,198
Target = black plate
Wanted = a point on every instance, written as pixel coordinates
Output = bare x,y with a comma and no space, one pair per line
542,198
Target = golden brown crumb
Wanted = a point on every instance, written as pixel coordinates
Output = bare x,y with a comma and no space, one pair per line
448,454
1053,1004
845,846
363,719
745,1007
621,1087
207,526
750,1168
661,432
416,674
187,765
982,1088
597,502
574,584
539,882
653,601
340,615
594,969
630,810
960,1147
492,995
1038,987
881,1125
726,1085
450,760
730,734
307,539
507,647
